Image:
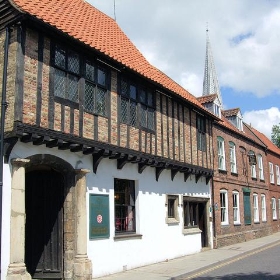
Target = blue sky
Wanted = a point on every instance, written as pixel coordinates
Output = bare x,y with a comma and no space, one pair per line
245,42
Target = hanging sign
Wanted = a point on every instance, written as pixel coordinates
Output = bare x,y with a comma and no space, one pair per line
99,222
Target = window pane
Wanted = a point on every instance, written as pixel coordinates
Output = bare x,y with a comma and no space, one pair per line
142,96
143,116
171,206
124,110
151,119
60,57
101,77
132,92
133,114
73,62
73,88
150,99
59,83
89,97
124,88
101,101
124,206
89,71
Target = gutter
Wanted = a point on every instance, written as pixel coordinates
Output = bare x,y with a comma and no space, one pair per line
4,106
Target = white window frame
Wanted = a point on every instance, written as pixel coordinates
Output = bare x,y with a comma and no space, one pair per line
271,172
253,171
278,207
224,207
277,174
260,164
256,208
273,206
263,205
236,207
221,153
232,153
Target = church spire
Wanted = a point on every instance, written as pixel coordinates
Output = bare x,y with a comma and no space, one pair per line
210,82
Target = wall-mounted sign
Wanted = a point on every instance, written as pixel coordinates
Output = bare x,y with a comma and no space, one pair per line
99,222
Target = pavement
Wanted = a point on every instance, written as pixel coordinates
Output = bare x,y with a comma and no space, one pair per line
191,266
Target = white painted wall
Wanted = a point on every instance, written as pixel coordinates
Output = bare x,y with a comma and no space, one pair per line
159,242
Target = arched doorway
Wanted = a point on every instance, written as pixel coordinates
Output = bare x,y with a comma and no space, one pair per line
44,198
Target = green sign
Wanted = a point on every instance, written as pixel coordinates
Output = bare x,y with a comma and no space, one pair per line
99,222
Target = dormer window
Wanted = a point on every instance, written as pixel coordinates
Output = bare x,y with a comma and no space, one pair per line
235,117
217,110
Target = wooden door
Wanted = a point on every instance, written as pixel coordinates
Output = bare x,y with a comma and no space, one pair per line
202,223
44,224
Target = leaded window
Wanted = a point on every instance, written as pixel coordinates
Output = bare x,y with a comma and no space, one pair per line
66,74
95,89
201,133
69,68
137,105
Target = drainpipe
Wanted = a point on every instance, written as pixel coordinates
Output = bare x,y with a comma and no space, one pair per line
4,106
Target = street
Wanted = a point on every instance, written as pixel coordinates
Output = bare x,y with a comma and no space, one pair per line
258,265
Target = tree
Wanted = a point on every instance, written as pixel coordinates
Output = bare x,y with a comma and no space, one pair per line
275,135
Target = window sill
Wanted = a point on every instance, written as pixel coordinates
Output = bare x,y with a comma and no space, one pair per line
127,236
237,224
254,178
191,231
225,225
234,174
172,221
256,222
222,171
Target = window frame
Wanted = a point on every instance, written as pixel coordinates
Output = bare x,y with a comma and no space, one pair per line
173,218
232,152
256,208
221,153
201,133
224,207
82,80
125,222
132,103
263,205
236,207
271,173
277,174
260,165
273,207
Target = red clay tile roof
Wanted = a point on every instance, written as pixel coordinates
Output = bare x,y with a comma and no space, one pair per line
87,24
207,98
266,141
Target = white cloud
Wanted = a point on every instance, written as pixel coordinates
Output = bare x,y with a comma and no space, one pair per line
192,83
263,120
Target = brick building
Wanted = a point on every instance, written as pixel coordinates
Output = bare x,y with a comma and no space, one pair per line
107,160
240,186
273,179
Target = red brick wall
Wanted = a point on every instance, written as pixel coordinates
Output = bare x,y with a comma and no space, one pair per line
231,233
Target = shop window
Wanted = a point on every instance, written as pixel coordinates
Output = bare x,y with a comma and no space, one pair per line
124,196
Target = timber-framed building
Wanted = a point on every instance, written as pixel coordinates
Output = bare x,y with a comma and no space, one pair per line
107,159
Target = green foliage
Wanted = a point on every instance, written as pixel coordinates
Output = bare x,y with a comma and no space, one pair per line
275,135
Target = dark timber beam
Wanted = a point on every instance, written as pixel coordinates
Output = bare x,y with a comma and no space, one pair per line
173,173
97,157
41,140
54,143
158,171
